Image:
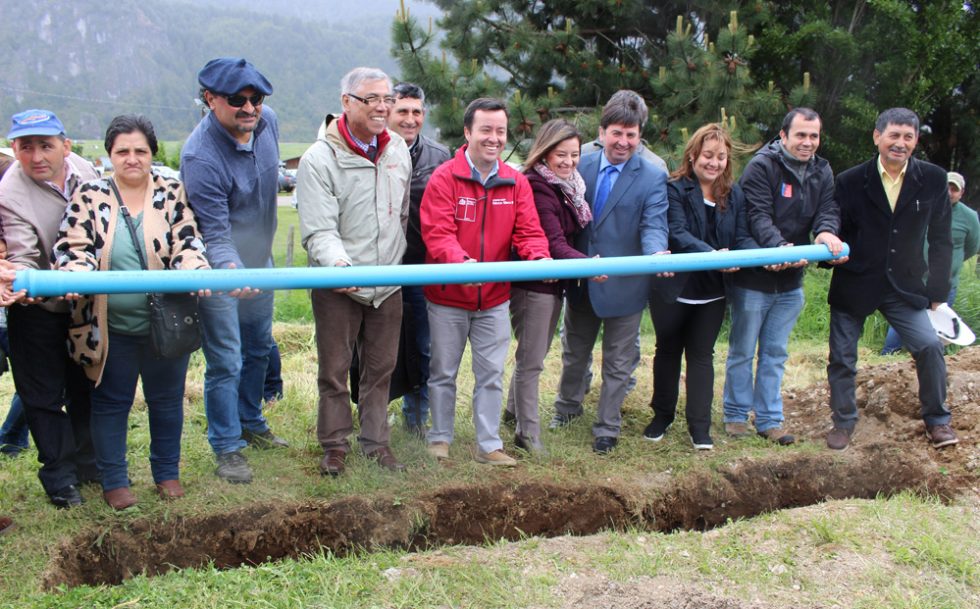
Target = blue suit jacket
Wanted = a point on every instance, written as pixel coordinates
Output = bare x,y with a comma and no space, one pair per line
633,223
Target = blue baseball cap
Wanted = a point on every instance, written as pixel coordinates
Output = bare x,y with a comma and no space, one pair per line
229,75
34,122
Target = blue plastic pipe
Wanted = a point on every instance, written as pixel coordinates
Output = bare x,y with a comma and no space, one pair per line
59,283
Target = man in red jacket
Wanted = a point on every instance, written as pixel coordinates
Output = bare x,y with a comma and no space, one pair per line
475,209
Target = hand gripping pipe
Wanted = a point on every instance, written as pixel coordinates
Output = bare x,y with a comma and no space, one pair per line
59,283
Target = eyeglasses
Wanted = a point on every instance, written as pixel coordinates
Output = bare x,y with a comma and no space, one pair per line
373,100
237,101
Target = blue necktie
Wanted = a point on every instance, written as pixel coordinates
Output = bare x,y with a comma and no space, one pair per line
602,193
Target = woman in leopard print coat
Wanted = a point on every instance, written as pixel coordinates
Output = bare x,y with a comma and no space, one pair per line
95,237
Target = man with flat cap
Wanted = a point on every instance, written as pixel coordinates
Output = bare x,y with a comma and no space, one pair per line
230,169
33,196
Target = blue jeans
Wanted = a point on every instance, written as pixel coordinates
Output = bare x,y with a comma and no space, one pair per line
893,343
765,320
272,386
415,404
237,339
14,432
130,358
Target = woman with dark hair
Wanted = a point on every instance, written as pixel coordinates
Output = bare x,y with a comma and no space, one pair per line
706,213
116,224
559,196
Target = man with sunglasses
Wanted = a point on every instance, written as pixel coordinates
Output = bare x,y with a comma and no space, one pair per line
230,168
352,193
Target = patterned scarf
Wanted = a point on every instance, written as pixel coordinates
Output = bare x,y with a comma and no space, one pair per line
574,189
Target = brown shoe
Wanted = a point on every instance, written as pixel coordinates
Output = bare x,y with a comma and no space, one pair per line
5,524
170,489
120,498
386,459
737,430
439,450
497,457
332,463
941,435
777,435
839,438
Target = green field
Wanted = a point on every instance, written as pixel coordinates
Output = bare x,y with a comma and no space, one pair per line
903,552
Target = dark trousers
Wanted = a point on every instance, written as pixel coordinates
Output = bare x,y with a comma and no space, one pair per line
55,393
917,335
131,358
691,330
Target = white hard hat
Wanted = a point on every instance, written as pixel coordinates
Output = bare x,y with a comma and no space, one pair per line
950,328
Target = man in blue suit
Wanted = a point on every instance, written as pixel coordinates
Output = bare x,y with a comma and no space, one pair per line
628,196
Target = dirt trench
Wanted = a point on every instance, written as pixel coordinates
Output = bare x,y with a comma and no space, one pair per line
697,499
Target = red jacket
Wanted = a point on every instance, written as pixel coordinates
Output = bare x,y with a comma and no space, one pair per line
463,219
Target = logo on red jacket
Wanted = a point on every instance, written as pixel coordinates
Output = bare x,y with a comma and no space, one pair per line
466,209
502,202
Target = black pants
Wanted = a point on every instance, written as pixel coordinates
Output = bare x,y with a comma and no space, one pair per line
55,393
690,330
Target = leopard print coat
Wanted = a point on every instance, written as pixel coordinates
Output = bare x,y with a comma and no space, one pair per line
171,241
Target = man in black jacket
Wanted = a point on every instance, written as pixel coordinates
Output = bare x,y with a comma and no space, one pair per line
406,119
789,194
890,207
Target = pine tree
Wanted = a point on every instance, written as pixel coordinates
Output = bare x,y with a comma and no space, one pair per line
564,59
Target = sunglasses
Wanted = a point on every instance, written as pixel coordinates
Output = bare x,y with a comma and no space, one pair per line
237,101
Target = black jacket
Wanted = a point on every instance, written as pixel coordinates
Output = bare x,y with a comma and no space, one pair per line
783,211
689,227
428,155
887,247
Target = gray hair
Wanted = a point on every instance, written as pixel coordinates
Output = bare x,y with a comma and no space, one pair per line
353,79
896,116
625,107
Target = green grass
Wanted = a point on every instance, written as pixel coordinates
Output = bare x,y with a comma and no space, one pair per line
900,552
92,149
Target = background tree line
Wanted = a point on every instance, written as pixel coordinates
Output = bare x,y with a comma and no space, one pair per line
696,61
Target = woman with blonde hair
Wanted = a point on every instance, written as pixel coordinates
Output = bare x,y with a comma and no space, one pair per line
706,213
559,196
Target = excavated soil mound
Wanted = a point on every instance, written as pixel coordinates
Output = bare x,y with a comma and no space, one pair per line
697,499
888,410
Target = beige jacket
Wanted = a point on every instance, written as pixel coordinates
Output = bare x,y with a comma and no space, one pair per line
353,211
30,214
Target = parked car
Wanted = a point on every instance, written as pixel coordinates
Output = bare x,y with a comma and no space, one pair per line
287,181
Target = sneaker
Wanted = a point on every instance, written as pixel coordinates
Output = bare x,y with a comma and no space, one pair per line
530,445
656,429
737,430
263,440
498,458
941,435
233,468
777,435
439,450
839,438
701,440
562,420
